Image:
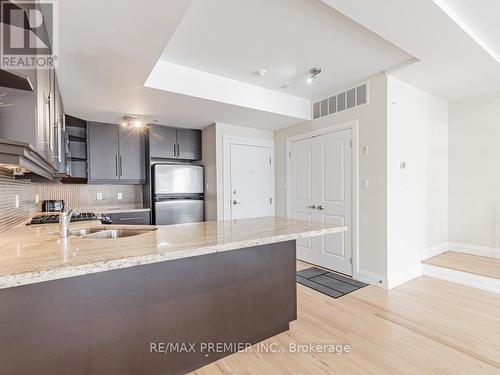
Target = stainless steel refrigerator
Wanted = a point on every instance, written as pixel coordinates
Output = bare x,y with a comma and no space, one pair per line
177,194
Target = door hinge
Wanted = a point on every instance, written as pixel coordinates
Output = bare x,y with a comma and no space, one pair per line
350,143
289,154
350,260
270,200
270,161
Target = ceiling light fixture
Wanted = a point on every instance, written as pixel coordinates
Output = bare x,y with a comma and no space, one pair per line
451,13
131,122
261,72
313,73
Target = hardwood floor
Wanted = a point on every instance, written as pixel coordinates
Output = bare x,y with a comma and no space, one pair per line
426,326
477,265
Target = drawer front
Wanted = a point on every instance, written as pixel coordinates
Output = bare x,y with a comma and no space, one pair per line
130,218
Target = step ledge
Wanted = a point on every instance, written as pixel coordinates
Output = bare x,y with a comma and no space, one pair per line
464,278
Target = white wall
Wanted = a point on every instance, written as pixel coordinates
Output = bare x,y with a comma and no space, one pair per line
372,120
417,196
213,161
474,175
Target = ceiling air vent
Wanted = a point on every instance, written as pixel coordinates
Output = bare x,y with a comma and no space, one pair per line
351,98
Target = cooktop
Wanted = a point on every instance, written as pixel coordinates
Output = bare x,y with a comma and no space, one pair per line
54,219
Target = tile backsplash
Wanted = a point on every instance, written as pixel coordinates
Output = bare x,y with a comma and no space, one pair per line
80,196
10,216
85,196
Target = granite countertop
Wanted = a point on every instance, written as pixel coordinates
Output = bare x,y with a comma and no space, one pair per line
36,253
113,210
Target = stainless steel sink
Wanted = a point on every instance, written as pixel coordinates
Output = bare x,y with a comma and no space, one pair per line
107,233
81,232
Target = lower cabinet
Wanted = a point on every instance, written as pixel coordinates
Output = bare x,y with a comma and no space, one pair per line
130,218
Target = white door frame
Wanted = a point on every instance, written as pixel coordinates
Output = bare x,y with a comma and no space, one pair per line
227,141
353,125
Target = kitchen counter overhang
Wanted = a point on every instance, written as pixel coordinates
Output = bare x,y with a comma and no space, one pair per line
32,254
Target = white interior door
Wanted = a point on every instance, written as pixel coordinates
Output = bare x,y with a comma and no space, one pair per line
250,181
321,190
335,199
302,194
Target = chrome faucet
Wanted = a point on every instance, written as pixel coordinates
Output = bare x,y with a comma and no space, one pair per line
64,220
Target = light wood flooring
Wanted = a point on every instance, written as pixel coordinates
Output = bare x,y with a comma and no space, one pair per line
426,326
477,265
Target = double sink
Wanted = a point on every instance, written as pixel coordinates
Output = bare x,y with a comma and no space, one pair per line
101,233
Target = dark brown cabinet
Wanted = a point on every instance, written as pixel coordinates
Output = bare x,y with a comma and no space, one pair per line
115,154
174,143
130,218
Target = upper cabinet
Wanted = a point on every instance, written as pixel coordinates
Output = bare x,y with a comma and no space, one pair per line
162,142
115,154
35,117
189,144
174,143
132,154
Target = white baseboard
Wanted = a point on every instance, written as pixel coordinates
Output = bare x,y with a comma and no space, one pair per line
436,250
403,277
484,251
476,281
372,278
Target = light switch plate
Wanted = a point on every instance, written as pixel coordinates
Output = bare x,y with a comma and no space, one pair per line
365,183
365,150
119,196
17,201
99,196
37,198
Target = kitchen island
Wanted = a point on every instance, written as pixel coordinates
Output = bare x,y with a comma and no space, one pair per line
160,301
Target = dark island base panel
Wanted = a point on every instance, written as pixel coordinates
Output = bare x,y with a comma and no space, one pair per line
108,322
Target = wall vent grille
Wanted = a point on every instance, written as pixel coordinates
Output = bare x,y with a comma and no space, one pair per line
351,98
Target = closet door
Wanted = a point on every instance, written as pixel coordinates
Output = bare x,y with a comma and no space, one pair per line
302,203
321,190
334,201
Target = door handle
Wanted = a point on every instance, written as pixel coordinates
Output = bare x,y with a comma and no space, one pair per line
235,202
321,208
121,166
116,165
312,207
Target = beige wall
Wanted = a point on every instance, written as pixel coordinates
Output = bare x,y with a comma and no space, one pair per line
417,133
209,162
213,162
474,174
372,120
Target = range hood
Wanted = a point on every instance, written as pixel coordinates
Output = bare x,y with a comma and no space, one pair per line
15,81
24,159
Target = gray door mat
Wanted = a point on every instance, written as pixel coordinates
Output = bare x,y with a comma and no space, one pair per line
329,283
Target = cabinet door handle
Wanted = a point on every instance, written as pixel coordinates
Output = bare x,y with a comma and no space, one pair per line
321,208
175,149
178,150
116,165
121,166
313,207
50,127
59,142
